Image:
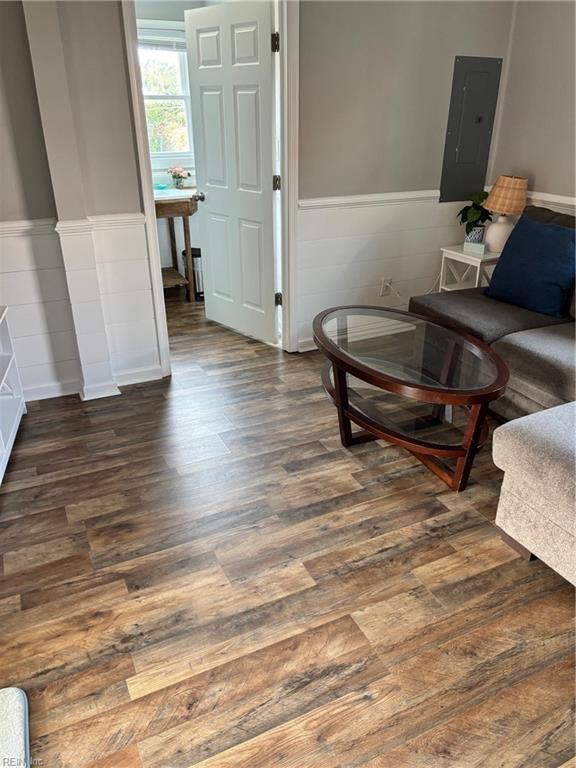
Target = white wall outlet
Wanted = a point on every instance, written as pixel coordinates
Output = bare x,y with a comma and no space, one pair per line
385,286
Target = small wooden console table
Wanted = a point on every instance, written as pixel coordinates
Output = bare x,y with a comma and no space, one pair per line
170,204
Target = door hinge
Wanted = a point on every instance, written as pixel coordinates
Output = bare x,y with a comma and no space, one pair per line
275,40
276,183
278,299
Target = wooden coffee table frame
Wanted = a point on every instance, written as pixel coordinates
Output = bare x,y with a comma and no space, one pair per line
429,453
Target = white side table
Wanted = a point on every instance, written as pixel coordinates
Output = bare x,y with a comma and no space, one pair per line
465,270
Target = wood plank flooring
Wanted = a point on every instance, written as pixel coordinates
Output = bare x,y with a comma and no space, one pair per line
196,573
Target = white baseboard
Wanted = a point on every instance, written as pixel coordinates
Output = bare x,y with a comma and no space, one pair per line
139,376
96,391
74,387
46,391
307,345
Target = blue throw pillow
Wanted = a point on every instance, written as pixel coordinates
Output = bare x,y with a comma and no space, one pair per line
536,269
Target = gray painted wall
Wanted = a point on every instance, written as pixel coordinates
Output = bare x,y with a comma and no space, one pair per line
25,186
537,135
375,80
93,40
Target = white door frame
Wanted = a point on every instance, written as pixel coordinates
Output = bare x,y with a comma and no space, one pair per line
288,14
146,184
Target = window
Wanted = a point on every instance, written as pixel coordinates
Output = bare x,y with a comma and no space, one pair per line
164,71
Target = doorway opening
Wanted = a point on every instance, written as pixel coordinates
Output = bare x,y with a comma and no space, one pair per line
209,111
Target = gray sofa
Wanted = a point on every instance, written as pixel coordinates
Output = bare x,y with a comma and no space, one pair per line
538,349
537,501
536,510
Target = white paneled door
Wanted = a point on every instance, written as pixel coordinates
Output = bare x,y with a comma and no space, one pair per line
230,60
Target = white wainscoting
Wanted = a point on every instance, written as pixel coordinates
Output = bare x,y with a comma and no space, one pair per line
346,245
33,284
126,294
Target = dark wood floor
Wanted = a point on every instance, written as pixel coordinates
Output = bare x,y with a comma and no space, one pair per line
197,574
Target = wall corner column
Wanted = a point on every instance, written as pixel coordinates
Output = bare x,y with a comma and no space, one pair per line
74,228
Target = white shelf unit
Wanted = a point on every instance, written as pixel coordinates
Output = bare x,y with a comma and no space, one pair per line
12,405
462,270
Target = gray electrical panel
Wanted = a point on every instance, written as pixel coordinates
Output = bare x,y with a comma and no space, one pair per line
469,132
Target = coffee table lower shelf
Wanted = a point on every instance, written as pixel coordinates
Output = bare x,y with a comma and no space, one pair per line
434,455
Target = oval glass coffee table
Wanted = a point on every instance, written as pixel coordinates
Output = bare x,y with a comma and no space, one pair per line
409,380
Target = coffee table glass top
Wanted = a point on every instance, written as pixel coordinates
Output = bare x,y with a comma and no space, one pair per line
408,349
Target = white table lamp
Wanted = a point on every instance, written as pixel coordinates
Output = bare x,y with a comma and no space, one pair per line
507,196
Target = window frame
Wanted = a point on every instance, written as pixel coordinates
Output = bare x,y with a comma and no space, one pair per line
170,36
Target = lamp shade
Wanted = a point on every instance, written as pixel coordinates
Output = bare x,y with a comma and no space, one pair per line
508,195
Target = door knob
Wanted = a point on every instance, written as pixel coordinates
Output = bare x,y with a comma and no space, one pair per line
199,197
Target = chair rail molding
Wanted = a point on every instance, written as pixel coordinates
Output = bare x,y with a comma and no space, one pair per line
27,227
362,201
560,203
114,220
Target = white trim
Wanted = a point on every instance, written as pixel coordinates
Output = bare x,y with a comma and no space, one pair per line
289,79
140,131
138,376
96,391
361,201
562,203
74,227
101,221
307,345
115,220
151,25
27,227
59,389
161,161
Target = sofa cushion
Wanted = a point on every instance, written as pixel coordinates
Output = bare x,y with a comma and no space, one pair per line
547,216
541,360
473,312
539,452
536,269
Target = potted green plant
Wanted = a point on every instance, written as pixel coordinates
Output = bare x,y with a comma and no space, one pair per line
474,216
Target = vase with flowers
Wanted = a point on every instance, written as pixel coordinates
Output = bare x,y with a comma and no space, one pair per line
178,175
